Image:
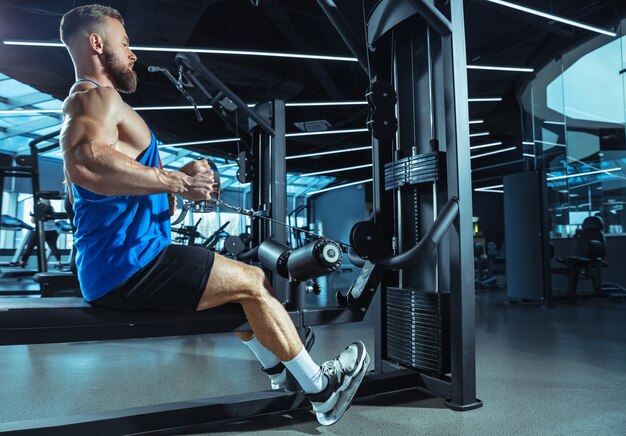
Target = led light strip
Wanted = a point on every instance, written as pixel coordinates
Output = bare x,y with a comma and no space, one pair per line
553,17
476,121
325,132
493,188
475,100
489,187
328,103
610,170
29,112
338,187
347,150
491,144
497,191
338,170
474,135
208,141
495,68
528,143
199,50
493,152
528,155
170,108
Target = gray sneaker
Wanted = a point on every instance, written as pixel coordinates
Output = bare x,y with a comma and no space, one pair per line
344,374
278,373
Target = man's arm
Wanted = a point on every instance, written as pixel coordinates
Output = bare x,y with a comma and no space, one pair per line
88,137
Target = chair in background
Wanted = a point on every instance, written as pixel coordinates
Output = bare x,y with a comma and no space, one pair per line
587,261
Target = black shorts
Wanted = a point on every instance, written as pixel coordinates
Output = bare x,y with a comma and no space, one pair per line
175,281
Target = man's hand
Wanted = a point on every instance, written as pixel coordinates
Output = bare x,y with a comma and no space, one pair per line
171,199
199,180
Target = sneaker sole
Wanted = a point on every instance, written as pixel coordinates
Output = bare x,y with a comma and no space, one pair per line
345,397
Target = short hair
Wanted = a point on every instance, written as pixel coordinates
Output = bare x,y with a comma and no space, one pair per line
87,18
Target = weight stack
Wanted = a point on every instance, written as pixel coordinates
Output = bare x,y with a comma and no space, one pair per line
418,329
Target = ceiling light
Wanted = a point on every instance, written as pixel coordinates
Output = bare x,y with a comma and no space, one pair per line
476,121
528,155
553,17
528,143
493,152
491,144
170,108
326,132
474,135
497,191
347,150
495,68
338,187
338,170
610,170
208,141
30,112
474,100
326,103
493,188
201,50
489,187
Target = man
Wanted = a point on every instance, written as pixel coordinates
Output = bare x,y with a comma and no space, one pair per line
125,258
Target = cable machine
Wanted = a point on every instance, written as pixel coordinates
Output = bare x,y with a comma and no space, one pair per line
416,64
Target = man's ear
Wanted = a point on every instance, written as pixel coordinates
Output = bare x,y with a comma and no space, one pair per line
96,42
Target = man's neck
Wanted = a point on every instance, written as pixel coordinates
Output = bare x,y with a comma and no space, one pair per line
99,78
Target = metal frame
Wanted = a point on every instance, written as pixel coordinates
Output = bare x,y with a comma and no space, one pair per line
432,110
197,415
269,187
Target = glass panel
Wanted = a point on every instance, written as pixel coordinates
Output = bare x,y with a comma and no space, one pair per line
575,108
595,133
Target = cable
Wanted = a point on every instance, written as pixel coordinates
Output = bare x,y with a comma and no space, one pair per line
254,214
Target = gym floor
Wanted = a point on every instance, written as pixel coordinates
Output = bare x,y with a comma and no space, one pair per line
539,371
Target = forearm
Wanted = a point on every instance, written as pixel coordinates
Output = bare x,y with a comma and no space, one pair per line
106,171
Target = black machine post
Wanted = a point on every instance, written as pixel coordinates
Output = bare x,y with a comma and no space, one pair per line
418,74
269,186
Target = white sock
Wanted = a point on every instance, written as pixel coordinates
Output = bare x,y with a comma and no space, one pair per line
308,373
265,356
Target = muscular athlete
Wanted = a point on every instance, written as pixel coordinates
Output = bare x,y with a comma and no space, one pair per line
122,200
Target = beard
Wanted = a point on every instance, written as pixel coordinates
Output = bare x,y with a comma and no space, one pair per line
123,78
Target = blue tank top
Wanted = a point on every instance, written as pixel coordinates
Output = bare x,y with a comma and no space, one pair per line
116,236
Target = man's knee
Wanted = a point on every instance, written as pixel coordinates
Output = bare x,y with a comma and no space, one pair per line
259,287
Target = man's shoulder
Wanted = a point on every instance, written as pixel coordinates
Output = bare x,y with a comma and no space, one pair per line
84,101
